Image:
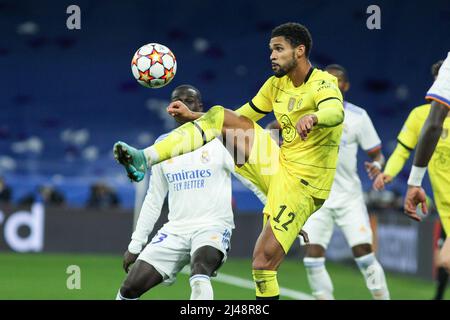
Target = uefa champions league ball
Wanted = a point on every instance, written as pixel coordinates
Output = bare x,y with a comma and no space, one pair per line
154,65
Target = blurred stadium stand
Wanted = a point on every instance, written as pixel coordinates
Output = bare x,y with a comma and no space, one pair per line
67,96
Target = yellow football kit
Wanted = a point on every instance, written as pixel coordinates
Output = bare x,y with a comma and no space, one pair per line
297,176
439,165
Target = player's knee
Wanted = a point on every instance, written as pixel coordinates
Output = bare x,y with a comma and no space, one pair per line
264,262
206,260
267,258
130,291
315,251
361,250
133,287
202,267
445,263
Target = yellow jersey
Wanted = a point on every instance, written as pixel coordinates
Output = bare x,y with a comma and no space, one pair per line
312,161
439,165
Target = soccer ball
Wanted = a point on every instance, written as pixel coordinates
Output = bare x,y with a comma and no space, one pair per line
154,65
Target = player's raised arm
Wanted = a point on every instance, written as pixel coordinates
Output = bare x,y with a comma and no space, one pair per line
181,112
439,93
370,142
407,141
428,140
394,165
329,102
430,134
330,110
330,113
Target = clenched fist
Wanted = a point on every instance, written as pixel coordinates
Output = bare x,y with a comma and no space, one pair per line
305,125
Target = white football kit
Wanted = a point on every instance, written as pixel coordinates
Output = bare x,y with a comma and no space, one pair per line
345,206
440,90
200,209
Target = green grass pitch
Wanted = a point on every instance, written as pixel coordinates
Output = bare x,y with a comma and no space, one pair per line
43,276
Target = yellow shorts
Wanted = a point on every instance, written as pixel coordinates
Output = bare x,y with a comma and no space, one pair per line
263,160
443,208
289,204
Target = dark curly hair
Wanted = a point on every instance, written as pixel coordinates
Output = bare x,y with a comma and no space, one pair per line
435,67
296,34
338,67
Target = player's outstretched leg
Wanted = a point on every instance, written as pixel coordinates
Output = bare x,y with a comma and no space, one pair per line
189,137
204,262
141,278
372,271
318,277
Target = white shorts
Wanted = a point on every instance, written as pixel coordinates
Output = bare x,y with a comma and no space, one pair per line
168,253
440,90
353,220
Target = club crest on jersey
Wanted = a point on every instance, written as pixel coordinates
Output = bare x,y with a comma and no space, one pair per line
444,133
205,156
288,131
299,104
291,104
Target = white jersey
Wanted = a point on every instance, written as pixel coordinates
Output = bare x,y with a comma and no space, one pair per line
358,131
440,90
199,188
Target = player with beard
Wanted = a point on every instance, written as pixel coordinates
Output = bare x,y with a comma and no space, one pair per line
296,176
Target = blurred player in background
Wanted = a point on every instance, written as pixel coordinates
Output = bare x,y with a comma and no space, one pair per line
432,130
297,176
200,217
431,122
345,207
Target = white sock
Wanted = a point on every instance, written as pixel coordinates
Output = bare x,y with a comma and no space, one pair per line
318,278
151,155
201,288
120,297
374,275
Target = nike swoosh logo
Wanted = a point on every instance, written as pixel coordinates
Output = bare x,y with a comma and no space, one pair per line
278,101
278,228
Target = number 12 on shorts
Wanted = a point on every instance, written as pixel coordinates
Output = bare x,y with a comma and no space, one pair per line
291,216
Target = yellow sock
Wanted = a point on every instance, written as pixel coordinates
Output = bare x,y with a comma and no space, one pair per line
188,137
266,284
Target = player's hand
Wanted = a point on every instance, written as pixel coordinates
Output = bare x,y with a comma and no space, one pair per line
373,169
380,181
305,125
304,235
128,259
415,196
180,112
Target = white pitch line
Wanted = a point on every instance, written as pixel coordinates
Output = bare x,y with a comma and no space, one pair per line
247,284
